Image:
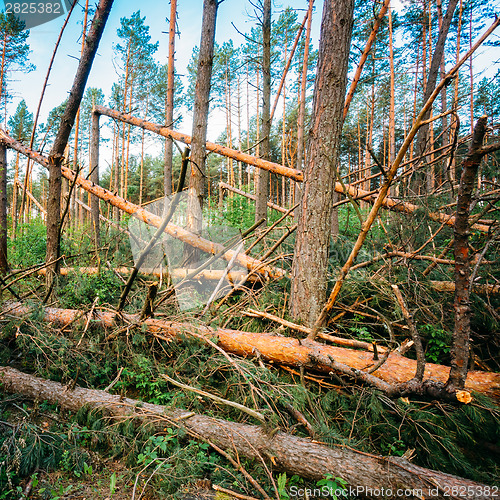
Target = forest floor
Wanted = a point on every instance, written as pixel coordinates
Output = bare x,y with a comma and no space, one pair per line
83,455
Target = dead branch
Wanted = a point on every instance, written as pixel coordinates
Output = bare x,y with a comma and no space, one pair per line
417,341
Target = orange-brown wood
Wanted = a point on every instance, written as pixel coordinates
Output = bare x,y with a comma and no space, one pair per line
278,350
276,168
181,273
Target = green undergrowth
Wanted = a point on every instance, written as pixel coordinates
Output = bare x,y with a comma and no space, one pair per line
440,436
462,440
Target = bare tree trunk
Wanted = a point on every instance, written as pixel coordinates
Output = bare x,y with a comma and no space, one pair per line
461,333
430,84
302,103
94,177
315,211
262,187
200,119
392,114
57,151
4,266
169,104
14,197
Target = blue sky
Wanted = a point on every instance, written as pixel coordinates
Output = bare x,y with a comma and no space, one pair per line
42,40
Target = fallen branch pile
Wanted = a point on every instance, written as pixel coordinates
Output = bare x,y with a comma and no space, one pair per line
367,474
282,350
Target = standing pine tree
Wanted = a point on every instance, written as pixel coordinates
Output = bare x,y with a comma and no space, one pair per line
15,52
20,127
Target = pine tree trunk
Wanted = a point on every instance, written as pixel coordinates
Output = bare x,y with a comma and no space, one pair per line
313,236
67,121
262,187
4,266
430,85
461,334
94,177
169,103
302,94
14,197
196,193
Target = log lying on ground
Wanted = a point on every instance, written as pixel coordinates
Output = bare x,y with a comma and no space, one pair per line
449,286
270,204
180,273
389,203
146,216
366,474
412,256
278,350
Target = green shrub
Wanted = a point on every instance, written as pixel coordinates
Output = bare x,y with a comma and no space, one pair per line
82,289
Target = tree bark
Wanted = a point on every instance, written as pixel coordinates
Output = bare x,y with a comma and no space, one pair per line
57,151
262,184
94,177
430,84
461,334
14,198
279,350
169,103
4,265
367,475
196,192
315,210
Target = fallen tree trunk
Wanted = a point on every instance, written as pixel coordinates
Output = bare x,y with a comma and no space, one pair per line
449,286
145,216
180,273
187,237
412,256
250,196
278,350
368,475
389,203
276,168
